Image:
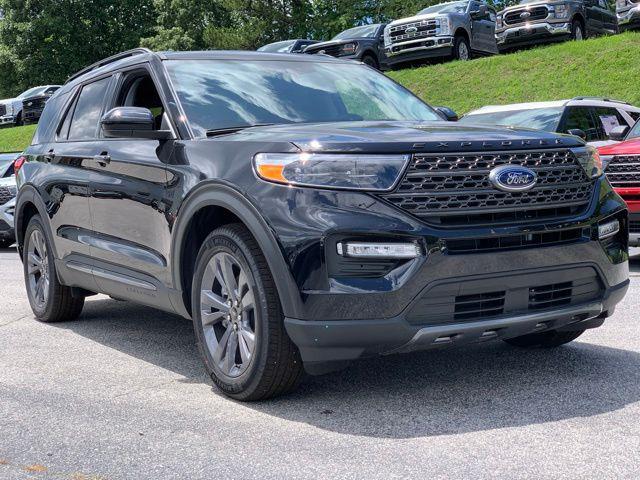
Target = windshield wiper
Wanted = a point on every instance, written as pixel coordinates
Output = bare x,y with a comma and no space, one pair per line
214,132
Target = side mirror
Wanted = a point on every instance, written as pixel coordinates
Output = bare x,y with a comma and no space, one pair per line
131,122
618,134
482,12
576,132
448,114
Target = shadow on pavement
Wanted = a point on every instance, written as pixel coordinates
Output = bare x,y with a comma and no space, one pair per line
483,387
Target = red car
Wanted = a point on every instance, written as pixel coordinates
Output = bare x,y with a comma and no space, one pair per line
622,163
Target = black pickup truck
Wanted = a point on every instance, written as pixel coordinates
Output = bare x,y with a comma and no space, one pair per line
306,211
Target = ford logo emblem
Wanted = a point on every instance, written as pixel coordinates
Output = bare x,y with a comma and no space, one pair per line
524,15
513,178
411,30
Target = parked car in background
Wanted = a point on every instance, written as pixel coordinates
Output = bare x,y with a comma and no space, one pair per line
622,166
628,12
453,29
318,220
7,199
593,119
33,105
533,22
11,108
287,46
364,44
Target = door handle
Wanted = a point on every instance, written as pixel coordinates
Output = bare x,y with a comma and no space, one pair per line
103,159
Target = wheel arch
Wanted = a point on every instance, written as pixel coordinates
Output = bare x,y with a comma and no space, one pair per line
30,203
462,32
579,17
209,206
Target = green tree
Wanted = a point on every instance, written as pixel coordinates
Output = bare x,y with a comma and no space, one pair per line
44,41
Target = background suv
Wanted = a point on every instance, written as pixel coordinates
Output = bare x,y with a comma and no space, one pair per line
454,29
287,46
33,105
364,44
309,211
593,119
533,22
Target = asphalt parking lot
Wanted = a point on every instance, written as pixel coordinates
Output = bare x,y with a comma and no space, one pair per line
121,394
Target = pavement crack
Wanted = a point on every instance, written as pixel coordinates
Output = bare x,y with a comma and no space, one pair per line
13,321
142,389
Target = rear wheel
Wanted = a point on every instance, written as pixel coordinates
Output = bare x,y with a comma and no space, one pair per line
461,49
50,300
238,319
548,339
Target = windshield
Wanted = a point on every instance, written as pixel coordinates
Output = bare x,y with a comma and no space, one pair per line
217,94
455,7
368,31
635,131
31,92
537,118
278,47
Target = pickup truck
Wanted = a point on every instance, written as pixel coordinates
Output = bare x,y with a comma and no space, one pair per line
451,30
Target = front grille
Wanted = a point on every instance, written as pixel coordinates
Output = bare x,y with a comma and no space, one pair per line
634,227
36,104
515,242
624,171
3,110
6,194
461,300
454,189
424,28
482,305
516,17
333,50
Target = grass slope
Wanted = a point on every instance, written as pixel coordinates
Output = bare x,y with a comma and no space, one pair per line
604,67
16,139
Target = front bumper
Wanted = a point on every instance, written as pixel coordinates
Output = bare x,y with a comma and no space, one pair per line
419,49
7,120
629,19
532,34
32,116
634,229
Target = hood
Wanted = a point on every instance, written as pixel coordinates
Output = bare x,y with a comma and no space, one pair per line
8,100
630,147
520,6
417,18
402,137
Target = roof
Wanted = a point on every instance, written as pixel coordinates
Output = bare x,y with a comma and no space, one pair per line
585,101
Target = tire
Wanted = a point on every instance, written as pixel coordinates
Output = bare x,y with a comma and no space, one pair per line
550,339
242,322
50,300
371,61
461,49
577,31
19,121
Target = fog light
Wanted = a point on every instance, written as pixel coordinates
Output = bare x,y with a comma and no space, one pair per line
378,250
608,229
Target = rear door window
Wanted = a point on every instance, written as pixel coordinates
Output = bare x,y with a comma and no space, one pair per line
86,115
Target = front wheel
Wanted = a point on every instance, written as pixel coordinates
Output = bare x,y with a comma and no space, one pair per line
371,61
548,339
461,49
238,320
577,31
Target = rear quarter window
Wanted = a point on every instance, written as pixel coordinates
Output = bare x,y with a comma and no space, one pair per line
49,119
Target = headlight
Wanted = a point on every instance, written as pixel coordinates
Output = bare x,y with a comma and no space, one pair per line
348,48
499,23
590,160
561,11
387,37
605,159
445,26
326,170
9,108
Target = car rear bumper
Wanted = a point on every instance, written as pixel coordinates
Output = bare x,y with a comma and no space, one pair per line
531,34
327,345
424,48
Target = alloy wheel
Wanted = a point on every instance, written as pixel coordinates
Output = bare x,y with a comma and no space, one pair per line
463,51
579,36
38,269
228,314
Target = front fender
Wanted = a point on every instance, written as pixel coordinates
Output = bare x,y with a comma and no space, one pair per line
221,194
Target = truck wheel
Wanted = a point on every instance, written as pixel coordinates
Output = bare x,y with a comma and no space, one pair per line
238,319
548,339
50,300
577,31
19,121
461,49
371,61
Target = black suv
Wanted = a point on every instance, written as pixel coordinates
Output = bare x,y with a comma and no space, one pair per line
309,211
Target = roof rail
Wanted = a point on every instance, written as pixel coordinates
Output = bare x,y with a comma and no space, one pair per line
602,99
106,61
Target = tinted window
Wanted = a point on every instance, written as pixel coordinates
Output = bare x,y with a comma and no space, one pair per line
86,114
368,31
231,93
538,118
580,118
49,119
